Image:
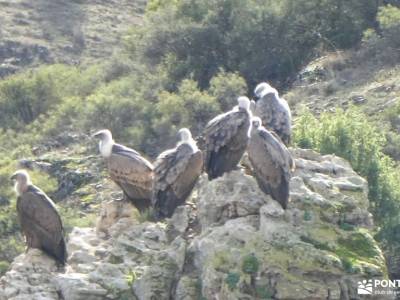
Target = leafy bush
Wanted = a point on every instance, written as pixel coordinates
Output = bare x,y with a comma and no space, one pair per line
250,264
350,135
232,279
189,107
26,96
226,87
383,41
3,267
389,22
348,265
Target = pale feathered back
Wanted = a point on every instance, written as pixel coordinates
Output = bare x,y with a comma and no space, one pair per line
226,139
175,174
274,112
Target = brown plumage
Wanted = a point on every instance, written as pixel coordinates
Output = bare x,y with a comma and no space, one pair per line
175,174
271,161
274,111
226,138
40,222
128,169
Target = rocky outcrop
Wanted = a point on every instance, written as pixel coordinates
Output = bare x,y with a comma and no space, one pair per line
230,241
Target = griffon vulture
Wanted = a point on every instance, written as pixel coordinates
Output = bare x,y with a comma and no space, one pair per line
128,169
226,138
175,174
272,162
40,222
273,111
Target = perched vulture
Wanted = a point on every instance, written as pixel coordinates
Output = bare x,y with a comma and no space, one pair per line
273,111
175,174
128,169
226,138
40,222
272,162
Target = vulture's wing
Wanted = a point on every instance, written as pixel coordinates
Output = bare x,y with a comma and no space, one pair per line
170,165
271,162
39,219
278,152
220,130
127,166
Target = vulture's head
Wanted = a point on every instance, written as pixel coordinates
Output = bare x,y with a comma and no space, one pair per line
22,180
106,142
256,122
263,89
103,135
21,176
185,135
244,103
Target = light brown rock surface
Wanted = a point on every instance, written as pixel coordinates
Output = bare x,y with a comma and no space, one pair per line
234,243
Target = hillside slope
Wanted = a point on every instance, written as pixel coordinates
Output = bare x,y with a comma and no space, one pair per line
62,31
360,77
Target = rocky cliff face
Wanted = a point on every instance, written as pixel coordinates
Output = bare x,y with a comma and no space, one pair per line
230,241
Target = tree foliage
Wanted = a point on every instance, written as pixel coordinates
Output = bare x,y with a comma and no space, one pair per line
262,40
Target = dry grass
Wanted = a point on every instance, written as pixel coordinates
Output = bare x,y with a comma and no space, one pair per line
74,31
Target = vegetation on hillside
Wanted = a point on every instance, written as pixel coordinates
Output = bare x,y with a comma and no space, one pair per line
259,39
350,135
185,64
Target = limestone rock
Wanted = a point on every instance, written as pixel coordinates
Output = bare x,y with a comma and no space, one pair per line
111,212
228,197
231,241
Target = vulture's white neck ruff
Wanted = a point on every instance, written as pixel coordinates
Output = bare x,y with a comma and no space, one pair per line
105,147
192,144
21,187
244,103
264,89
188,140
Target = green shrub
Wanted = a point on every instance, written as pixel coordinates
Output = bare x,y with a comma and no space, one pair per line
232,279
383,41
226,88
350,135
347,265
389,21
4,267
307,216
154,5
389,17
189,107
250,264
315,243
24,97
263,292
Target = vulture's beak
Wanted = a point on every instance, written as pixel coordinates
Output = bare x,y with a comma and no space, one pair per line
13,177
97,134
